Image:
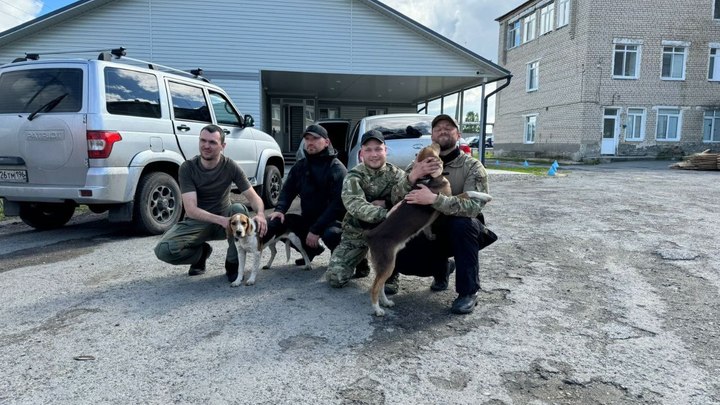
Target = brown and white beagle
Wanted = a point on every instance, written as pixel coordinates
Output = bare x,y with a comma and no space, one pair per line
243,230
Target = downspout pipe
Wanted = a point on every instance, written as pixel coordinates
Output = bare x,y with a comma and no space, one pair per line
483,123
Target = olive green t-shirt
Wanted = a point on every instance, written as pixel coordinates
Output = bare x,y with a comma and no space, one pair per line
212,186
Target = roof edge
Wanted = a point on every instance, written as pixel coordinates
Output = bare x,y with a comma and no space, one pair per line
516,9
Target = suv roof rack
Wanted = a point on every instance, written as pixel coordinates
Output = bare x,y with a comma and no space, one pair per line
118,53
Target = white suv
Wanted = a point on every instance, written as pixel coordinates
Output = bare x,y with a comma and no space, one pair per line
112,136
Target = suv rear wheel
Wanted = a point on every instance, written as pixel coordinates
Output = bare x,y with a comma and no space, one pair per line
158,204
271,186
46,215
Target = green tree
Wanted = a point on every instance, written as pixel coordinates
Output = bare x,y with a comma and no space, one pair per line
471,125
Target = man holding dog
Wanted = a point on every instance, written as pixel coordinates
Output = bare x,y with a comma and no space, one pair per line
205,182
317,180
459,231
366,193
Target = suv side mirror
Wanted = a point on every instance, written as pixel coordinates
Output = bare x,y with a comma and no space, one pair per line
248,121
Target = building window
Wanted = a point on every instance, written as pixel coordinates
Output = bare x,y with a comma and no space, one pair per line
563,12
669,122
533,76
513,37
529,29
673,62
714,70
547,18
635,126
530,124
711,126
626,61
376,111
716,10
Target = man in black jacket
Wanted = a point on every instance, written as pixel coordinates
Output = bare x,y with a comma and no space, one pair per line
317,180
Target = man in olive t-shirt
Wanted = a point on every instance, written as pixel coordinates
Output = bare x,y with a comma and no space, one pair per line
205,182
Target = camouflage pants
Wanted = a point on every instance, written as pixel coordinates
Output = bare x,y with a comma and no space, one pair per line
349,253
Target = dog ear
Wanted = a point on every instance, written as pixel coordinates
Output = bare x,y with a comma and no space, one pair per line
251,226
228,228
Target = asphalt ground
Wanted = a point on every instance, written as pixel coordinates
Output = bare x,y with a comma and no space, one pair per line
604,288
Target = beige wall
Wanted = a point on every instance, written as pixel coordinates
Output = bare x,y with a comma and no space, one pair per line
576,79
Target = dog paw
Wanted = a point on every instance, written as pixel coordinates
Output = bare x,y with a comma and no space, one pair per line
379,311
388,303
250,282
236,283
307,267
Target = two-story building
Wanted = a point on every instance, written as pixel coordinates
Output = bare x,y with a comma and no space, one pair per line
601,78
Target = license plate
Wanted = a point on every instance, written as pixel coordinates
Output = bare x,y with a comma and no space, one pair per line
13,176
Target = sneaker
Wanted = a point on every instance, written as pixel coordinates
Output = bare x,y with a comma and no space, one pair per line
199,267
392,285
362,269
441,284
464,304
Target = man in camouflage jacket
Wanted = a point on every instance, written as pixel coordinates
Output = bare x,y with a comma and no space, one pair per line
459,231
367,195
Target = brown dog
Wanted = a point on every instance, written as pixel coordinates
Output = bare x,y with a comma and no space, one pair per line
403,223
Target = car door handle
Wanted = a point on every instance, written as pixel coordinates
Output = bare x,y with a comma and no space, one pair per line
418,146
183,127
226,131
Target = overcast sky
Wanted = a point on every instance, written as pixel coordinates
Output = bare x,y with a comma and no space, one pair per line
470,23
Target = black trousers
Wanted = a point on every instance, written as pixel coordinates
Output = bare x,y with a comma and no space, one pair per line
458,237
301,227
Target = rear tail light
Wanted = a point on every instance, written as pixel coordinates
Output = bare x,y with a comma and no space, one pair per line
100,143
464,148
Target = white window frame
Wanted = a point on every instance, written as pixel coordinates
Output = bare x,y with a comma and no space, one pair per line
678,128
563,13
714,62
547,18
713,119
529,27
514,29
532,68
674,52
624,44
631,121
526,128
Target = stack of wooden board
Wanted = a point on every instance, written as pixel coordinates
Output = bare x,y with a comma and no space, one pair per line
700,161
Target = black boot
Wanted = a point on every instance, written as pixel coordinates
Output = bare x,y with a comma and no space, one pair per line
440,282
362,269
199,267
392,285
231,270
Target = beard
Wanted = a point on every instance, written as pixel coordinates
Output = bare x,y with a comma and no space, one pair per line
447,144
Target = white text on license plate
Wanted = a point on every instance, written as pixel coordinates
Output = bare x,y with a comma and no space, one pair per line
13,176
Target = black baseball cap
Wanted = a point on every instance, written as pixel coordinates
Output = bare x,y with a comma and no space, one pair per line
446,118
316,130
372,134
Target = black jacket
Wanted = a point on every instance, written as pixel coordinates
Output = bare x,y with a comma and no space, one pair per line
318,180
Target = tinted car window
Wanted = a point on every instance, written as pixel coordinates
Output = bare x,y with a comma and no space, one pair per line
224,111
28,90
189,103
401,127
132,93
